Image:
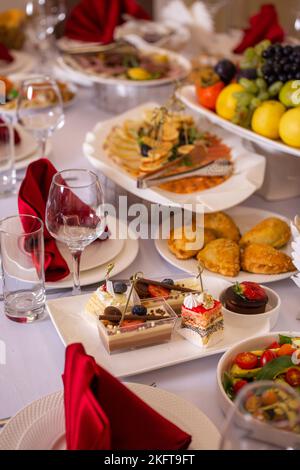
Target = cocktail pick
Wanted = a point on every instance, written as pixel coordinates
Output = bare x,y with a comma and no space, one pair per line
109,269
133,281
200,272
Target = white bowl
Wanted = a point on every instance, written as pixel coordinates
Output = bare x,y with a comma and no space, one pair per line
271,313
225,363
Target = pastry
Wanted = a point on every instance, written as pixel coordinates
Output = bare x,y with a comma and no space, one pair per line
247,298
202,320
150,322
222,225
184,238
110,294
264,259
273,231
221,256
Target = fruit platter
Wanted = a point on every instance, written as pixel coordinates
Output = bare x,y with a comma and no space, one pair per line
257,98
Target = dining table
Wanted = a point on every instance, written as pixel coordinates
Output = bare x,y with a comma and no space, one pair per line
34,357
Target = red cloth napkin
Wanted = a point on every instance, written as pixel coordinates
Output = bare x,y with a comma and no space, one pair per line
4,134
263,25
32,200
5,55
103,414
96,20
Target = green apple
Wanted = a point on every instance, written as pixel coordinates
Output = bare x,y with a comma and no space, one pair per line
290,94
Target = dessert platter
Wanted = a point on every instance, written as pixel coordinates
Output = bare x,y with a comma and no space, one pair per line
241,244
166,157
257,99
114,321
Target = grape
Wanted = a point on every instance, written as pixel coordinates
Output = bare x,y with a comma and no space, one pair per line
250,53
275,88
251,74
255,102
261,84
244,98
249,85
263,96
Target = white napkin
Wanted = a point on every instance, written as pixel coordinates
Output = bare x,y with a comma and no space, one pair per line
198,14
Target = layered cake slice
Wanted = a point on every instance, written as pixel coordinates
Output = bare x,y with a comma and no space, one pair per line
202,320
110,294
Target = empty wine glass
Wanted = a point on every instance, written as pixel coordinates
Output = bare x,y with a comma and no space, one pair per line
264,416
74,213
40,108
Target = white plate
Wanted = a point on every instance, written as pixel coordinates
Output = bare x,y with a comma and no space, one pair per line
145,47
188,97
93,276
27,147
245,218
23,163
75,326
248,177
41,424
23,63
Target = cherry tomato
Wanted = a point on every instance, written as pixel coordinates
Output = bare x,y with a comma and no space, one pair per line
158,291
267,356
274,345
286,350
293,377
239,385
269,397
246,360
207,96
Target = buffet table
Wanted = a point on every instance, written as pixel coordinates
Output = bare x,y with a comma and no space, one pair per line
35,353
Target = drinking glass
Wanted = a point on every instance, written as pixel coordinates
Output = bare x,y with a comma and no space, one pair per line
74,213
22,262
264,416
40,108
7,159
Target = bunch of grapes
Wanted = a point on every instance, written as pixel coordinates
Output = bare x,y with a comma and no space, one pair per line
281,63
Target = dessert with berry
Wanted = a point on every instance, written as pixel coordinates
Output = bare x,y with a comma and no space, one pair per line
202,320
110,294
247,298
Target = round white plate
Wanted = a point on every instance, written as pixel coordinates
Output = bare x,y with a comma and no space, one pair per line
245,218
28,145
23,63
40,426
188,96
23,163
248,177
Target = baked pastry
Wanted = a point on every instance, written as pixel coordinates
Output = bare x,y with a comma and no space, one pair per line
180,241
274,232
264,259
221,256
222,225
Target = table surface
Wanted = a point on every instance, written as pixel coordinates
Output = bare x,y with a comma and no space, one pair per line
35,353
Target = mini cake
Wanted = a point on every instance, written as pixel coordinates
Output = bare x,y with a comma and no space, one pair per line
110,294
202,320
247,298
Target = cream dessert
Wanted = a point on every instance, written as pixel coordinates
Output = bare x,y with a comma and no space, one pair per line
145,324
202,320
110,294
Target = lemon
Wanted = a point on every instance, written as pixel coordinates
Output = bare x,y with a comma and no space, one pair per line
290,93
289,127
227,102
266,118
137,73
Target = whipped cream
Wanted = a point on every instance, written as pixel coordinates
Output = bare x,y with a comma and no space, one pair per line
192,301
109,300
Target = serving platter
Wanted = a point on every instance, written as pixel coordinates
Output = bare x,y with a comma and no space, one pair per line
187,95
247,178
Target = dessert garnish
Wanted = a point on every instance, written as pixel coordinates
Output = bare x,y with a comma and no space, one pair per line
139,310
245,298
120,287
250,291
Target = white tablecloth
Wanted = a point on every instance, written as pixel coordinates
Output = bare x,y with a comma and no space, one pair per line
35,354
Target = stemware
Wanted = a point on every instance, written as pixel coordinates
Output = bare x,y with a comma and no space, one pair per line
74,213
40,108
265,416
7,159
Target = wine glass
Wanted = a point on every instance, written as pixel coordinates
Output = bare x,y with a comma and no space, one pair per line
74,213
265,416
40,108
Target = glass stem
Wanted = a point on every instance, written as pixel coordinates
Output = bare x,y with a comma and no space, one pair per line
76,272
43,145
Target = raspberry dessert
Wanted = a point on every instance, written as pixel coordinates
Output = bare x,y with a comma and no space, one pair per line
247,298
202,320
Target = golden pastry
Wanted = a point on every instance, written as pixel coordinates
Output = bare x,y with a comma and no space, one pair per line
180,240
274,232
221,256
222,225
264,259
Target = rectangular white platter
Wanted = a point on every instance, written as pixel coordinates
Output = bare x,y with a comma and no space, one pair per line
75,326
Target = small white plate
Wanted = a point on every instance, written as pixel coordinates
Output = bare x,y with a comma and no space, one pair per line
188,96
40,426
248,177
245,218
23,62
75,326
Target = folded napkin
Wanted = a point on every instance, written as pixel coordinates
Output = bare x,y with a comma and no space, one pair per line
96,20
102,414
32,200
4,134
263,25
5,55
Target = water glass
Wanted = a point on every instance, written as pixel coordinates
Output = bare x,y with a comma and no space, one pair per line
7,159
22,263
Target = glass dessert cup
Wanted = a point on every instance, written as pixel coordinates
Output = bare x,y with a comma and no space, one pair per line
137,332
